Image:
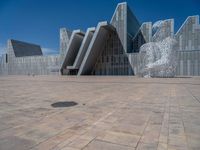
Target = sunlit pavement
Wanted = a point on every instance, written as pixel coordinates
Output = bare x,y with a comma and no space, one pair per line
99,113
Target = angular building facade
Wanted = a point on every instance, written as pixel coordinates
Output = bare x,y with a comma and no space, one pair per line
110,48
23,58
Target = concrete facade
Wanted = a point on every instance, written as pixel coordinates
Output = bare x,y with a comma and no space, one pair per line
119,50
72,50
13,64
109,49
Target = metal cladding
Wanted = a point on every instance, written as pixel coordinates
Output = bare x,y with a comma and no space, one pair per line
108,49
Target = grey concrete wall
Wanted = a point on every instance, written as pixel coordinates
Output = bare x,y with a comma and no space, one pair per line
64,41
188,63
188,36
146,30
134,59
37,65
3,65
119,21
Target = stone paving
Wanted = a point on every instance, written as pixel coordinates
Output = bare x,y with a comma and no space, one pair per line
113,113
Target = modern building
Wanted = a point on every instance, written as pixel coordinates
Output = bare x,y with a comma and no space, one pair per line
23,58
110,48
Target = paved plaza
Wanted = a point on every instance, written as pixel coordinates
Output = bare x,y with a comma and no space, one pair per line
99,113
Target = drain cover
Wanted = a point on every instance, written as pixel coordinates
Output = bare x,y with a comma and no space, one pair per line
64,104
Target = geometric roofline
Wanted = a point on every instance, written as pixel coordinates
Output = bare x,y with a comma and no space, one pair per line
22,49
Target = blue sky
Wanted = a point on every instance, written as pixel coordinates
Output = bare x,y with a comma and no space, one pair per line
38,21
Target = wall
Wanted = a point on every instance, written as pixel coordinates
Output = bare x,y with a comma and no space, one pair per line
29,65
188,63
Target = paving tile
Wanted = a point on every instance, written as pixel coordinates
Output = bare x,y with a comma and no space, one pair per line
15,143
179,141
145,146
120,138
101,145
193,142
79,142
151,134
174,147
162,146
69,148
112,113
54,141
128,128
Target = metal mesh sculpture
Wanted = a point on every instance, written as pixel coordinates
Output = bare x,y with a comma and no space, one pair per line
158,59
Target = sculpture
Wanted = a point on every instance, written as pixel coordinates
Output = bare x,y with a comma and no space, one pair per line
158,59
